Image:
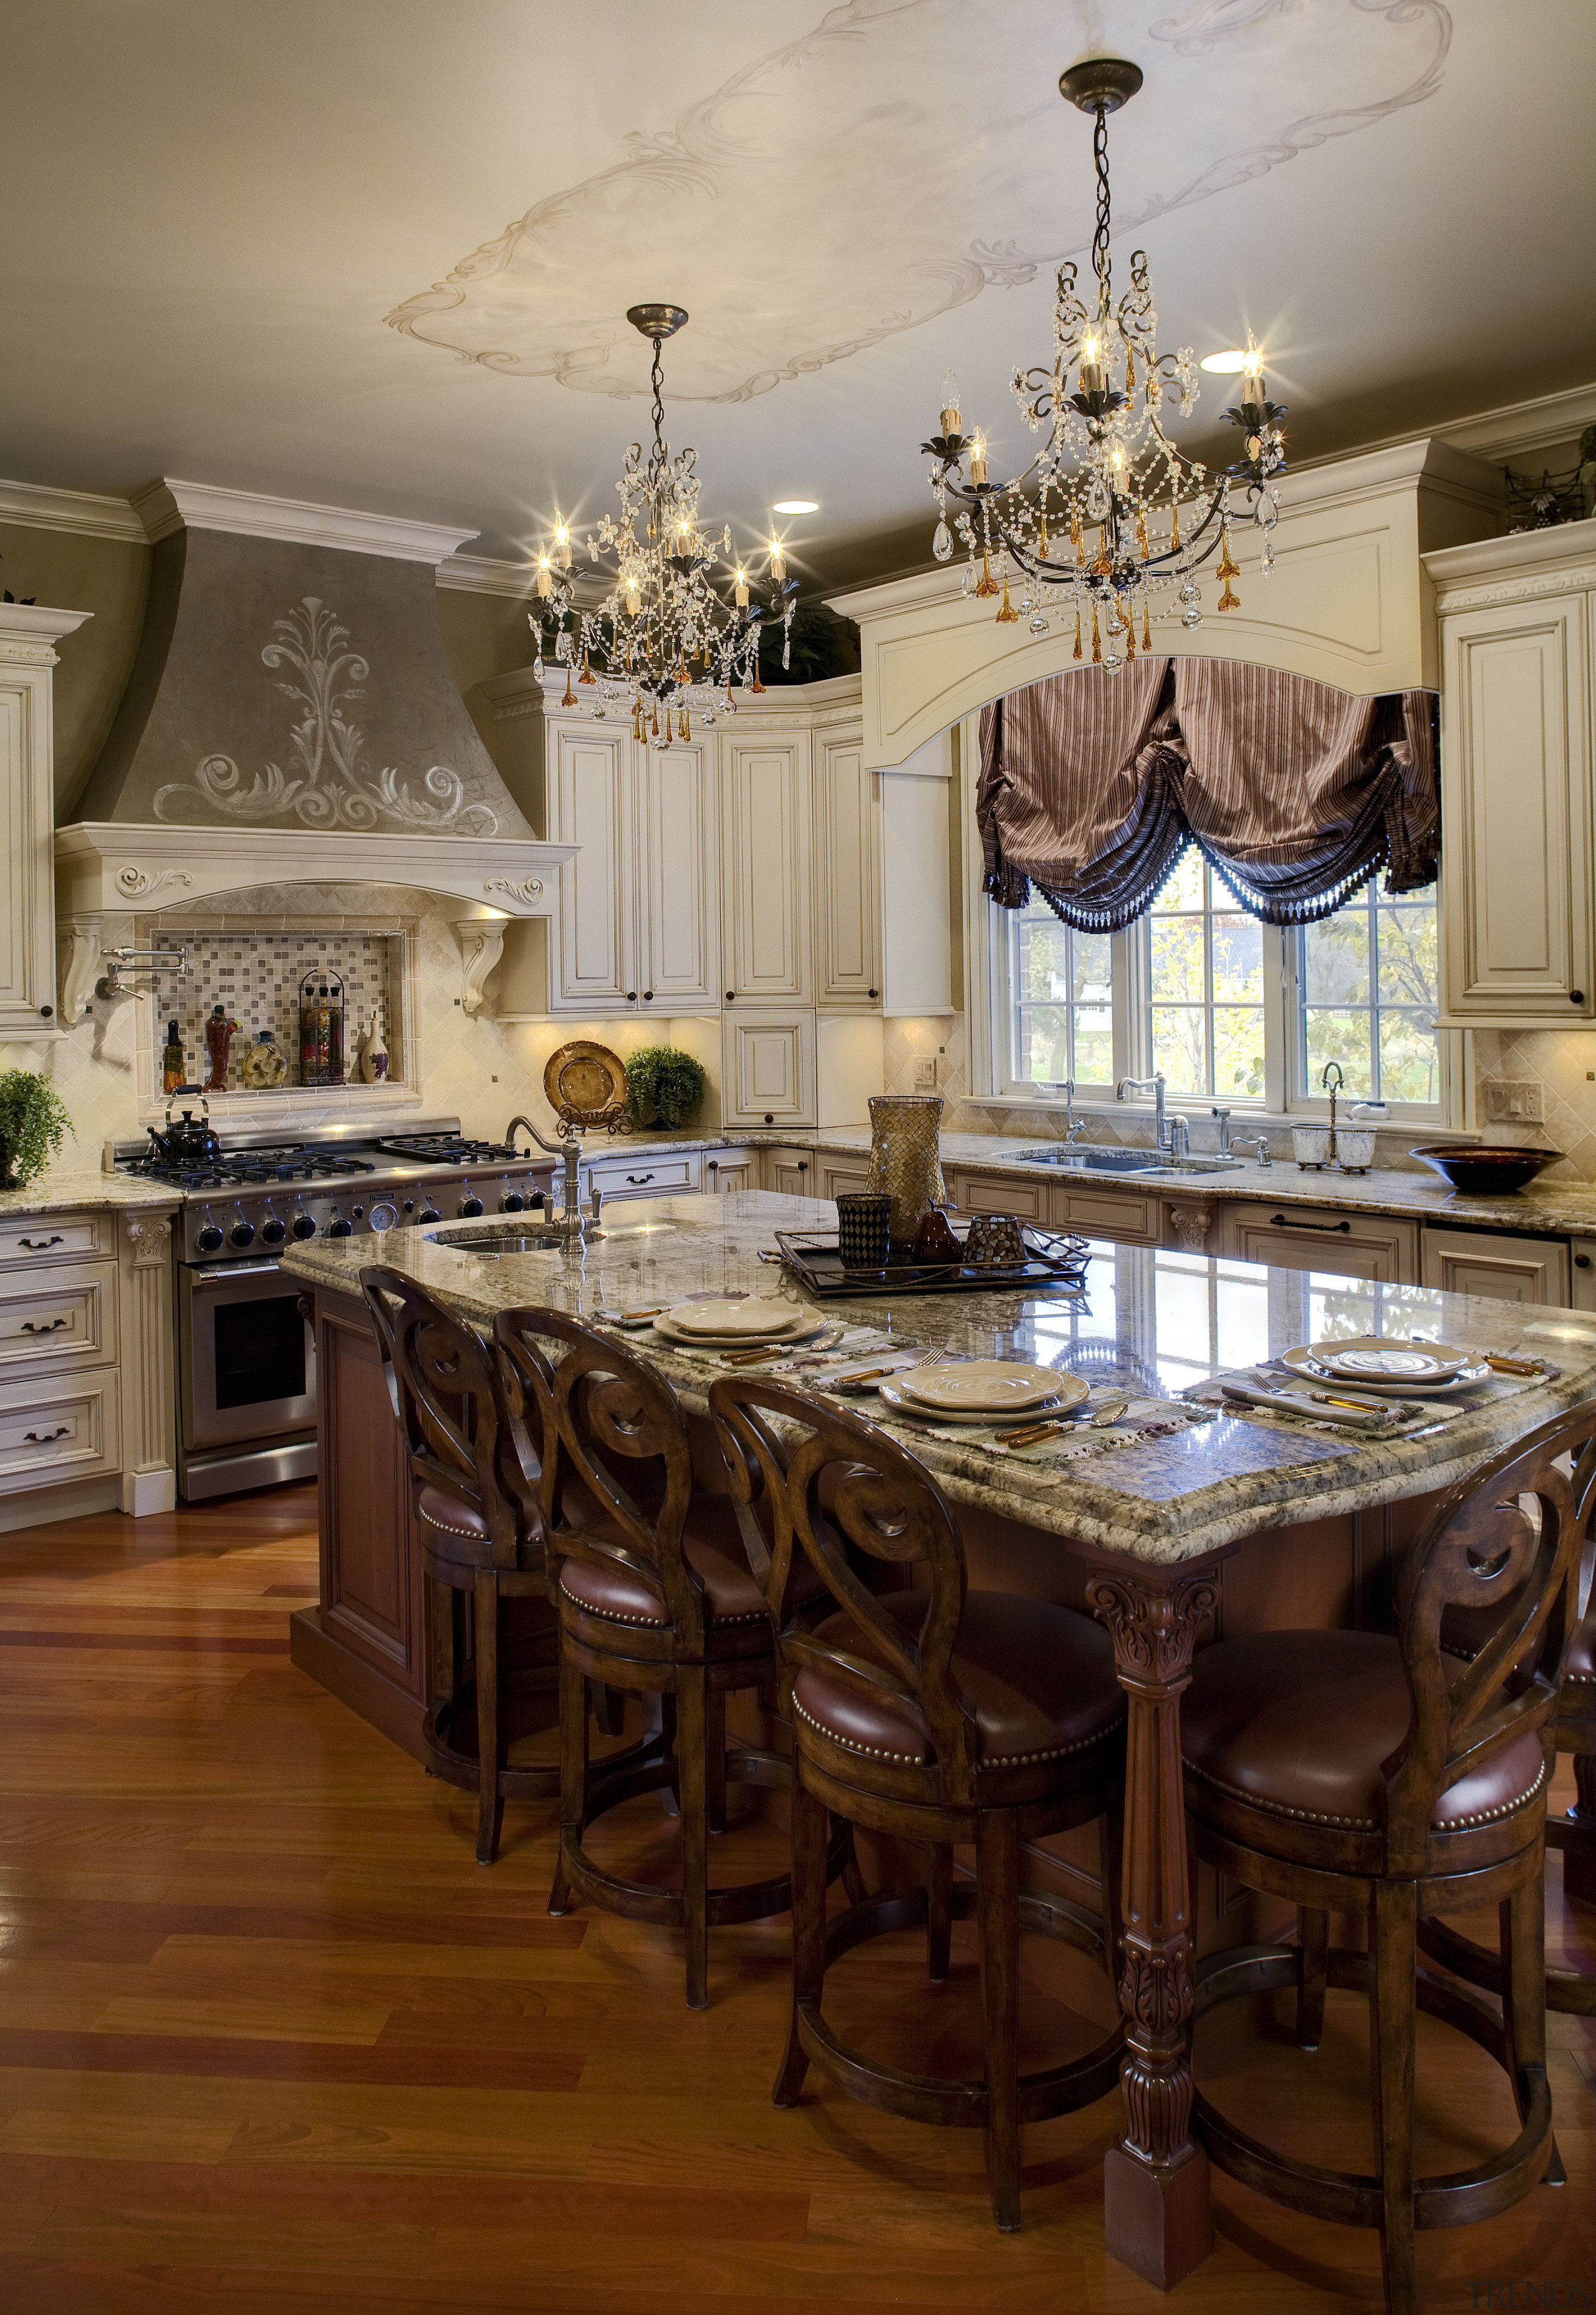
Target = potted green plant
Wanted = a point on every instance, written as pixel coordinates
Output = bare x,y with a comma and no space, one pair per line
665,1085
33,1124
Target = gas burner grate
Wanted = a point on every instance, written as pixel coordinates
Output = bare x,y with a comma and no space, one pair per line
448,1149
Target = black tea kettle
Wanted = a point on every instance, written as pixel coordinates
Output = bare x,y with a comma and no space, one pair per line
186,1146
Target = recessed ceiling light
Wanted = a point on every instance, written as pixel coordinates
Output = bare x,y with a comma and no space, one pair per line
800,506
1228,364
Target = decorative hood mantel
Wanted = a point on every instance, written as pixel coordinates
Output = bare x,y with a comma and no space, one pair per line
292,716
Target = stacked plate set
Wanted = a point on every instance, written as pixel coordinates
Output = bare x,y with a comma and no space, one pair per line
739,1322
1385,1365
993,1393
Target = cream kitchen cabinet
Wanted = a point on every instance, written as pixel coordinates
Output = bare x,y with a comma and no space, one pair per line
1517,946
651,1177
883,892
1347,1243
726,1170
974,1192
793,1172
843,1176
767,819
28,635
1498,1264
768,1069
847,870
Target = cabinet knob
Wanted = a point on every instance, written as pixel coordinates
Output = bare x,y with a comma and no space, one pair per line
804,1165
1576,996
730,996
631,996
47,1011
770,1117
876,992
1581,1261
648,996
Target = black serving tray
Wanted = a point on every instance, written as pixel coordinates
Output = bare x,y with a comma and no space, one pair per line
1056,1265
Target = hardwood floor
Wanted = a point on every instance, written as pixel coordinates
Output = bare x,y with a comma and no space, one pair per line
270,2039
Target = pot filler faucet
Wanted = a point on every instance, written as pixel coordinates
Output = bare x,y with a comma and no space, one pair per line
1155,1085
570,1155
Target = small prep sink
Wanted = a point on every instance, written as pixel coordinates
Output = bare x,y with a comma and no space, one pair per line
492,1244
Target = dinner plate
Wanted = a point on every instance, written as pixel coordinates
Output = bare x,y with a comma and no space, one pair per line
806,1332
891,1390
1375,1358
1302,1362
753,1317
988,1387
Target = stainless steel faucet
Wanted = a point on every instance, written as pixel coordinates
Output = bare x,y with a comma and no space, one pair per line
1224,1117
1155,1085
1073,1125
1261,1149
570,1155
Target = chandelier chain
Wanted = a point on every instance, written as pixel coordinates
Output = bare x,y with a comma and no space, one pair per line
1101,261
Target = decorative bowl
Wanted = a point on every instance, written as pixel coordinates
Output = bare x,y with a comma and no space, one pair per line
1485,1172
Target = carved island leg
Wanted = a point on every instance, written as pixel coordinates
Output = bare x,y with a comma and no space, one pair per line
1156,2180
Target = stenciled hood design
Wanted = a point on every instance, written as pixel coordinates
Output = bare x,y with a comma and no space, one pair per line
374,735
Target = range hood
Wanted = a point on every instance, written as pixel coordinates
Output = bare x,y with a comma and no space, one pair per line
292,717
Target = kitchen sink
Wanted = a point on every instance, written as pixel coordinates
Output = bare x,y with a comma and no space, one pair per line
1083,1158
490,1245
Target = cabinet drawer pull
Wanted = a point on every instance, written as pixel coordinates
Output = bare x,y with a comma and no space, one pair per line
54,1327
47,1438
1278,1221
41,1244
636,1179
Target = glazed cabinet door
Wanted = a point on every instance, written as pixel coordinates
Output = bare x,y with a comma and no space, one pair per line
591,805
27,871
1516,883
766,825
1498,1264
681,854
847,873
1346,1244
768,1073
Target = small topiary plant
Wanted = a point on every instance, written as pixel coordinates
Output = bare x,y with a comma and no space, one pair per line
33,1124
665,1085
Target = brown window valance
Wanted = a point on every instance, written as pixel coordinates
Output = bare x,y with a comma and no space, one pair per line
1093,784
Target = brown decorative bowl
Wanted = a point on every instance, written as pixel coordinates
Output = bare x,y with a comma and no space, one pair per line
1487,1171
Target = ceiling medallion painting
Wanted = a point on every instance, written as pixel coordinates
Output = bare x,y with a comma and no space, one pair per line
331,788
1108,462
896,115
663,637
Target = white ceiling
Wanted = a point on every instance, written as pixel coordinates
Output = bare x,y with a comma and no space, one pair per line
378,252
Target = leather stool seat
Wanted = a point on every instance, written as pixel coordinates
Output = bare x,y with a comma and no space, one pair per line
450,1517
1040,1680
1580,1663
736,1619
1298,1723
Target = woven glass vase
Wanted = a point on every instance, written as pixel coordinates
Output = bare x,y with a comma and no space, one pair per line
905,1159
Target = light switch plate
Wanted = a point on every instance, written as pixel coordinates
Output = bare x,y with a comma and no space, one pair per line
925,1074
1514,1101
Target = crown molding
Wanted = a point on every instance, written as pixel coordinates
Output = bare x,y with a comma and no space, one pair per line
1526,566
1520,426
172,505
481,574
28,632
84,511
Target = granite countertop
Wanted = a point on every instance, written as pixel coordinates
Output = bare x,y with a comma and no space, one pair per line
1142,1327
77,1189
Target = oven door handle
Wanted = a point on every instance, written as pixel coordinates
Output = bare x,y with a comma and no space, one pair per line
198,1278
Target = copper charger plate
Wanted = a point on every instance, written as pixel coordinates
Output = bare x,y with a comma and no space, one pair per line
584,1083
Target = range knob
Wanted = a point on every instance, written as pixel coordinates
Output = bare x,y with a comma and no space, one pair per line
243,1233
512,1204
469,1207
428,1213
209,1238
303,1225
272,1232
338,1227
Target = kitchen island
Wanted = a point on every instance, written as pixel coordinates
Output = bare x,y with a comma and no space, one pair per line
1224,1526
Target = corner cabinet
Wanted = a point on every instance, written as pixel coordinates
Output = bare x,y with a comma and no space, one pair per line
1518,948
28,636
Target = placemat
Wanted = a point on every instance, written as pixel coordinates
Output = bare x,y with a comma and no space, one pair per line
1425,1415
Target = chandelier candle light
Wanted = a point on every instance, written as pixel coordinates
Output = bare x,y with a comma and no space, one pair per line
665,639
1110,513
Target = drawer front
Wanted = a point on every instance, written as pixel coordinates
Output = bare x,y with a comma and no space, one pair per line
1126,1216
56,1237
843,1180
1505,1268
1312,1237
646,1177
61,1317
987,1193
56,1430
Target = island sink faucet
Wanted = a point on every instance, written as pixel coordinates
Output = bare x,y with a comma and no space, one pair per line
569,1155
1155,1085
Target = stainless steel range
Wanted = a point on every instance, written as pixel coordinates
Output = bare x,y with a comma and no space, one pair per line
245,1356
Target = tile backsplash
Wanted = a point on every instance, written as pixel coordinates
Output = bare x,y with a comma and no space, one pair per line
256,975
1561,1062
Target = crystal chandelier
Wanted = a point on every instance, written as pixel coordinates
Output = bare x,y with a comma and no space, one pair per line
1110,513
664,639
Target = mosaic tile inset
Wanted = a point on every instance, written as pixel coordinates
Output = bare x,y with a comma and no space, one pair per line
257,977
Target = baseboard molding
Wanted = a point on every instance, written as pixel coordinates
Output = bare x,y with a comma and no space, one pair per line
145,1491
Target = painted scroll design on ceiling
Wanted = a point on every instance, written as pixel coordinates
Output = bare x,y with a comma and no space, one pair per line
332,787
873,77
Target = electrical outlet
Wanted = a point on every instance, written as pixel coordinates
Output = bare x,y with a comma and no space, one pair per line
1514,1101
925,1074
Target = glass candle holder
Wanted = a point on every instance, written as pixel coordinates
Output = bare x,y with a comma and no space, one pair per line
905,1159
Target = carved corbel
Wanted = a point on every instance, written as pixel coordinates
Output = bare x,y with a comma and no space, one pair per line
480,933
78,941
1190,1225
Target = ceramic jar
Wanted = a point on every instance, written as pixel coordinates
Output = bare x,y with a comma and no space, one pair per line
905,1158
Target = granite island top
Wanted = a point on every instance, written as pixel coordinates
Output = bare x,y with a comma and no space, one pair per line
1154,1323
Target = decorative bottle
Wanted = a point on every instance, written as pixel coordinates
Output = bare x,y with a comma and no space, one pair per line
220,1033
174,1069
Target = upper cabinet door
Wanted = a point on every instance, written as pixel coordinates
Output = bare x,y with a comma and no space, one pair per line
681,963
27,919
1516,878
767,825
591,796
847,874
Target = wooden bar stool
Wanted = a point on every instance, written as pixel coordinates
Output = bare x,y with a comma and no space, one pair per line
1356,1773
935,1716
481,1532
653,1598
